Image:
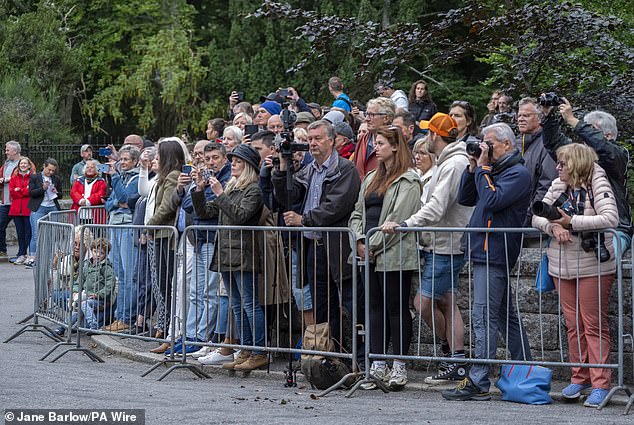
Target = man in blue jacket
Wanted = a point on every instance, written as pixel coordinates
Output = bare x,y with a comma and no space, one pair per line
498,185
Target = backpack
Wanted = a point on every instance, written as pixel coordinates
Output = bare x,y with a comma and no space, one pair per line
322,372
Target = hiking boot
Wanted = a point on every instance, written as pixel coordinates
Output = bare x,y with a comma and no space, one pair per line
448,372
466,390
255,361
596,397
381,373
398,377
242,357
573,391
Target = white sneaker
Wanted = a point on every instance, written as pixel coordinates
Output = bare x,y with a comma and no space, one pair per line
398,378
21,259
202,352
216,358
378,372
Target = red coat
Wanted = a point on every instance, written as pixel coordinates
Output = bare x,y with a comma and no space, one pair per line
98,191
19,198
364,166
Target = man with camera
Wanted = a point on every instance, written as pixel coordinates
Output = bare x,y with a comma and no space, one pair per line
597,130
327,189
498,185
536,159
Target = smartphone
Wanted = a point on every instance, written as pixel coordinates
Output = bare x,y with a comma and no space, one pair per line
105,152
284,93
240,96
103,168
187,169
250,129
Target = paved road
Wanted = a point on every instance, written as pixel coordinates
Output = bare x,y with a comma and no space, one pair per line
75,382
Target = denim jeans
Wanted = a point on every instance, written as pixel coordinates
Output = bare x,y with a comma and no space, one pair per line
23,230
5,219
91,321
492,299
203,295
243,290
123,256
301,294
34,218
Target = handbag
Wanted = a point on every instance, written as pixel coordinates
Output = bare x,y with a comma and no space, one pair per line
525,384
544,281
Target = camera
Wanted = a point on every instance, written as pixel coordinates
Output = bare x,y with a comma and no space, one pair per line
284,142
550,99
105,152
473,148
595,242
549,212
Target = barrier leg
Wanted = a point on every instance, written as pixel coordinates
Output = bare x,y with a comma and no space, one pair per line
26,319
34,327
179,365
629,405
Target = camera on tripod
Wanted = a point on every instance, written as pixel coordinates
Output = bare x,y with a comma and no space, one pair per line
285,143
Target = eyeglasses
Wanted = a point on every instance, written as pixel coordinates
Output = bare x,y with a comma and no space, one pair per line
372,115
561,164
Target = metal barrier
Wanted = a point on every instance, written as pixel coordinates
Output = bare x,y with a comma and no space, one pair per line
63,216
94,214
516,320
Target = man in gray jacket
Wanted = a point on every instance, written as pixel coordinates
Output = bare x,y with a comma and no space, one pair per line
536,158
444,258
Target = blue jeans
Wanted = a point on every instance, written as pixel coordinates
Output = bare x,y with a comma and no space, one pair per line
490,304
441,274
244,303
88,307
34,218
301,294
5,219
123,256
203,295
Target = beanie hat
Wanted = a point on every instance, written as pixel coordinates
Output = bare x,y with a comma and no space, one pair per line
334,116
442,124
271,107
246,153
344,129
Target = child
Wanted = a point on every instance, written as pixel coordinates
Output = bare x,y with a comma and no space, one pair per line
99,284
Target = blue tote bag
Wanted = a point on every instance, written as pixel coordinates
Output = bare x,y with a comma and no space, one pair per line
525,384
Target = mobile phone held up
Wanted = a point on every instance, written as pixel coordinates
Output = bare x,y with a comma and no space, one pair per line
105,152
250,130
103,168
186,169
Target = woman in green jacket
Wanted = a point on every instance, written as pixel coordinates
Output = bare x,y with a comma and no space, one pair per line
390,193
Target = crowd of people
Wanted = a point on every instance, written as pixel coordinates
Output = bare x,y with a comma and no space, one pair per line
392,164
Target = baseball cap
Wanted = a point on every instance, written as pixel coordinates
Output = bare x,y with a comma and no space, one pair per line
442,124
85,147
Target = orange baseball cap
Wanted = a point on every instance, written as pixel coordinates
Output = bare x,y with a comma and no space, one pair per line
423,124
442,124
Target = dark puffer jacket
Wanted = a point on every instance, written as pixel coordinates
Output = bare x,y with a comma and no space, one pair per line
613,158
240,207
500,196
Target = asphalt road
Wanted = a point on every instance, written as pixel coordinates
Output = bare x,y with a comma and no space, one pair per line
76,382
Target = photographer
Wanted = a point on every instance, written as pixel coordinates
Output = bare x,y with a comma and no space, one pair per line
498,186
327,188
582,270
597,130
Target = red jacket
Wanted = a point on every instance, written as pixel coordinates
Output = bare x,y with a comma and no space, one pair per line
364,166
98,191
19,198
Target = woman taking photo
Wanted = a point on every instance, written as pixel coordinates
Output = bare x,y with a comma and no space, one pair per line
161,211
420,104
238,204
586,202
391,192
19,210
